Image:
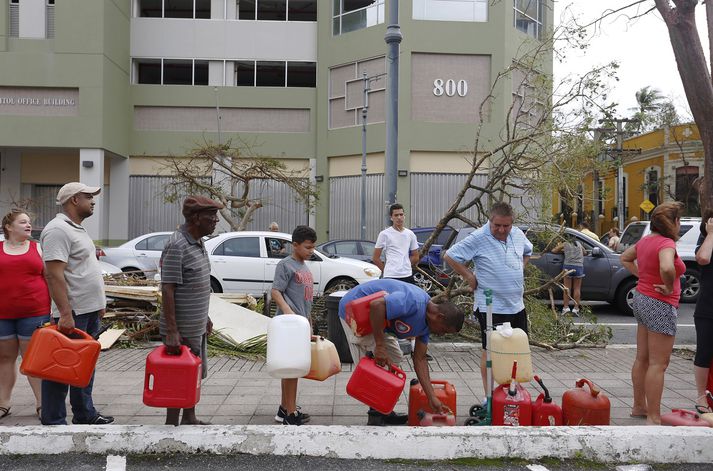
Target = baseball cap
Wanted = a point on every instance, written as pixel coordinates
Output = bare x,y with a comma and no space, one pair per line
72,188
193,204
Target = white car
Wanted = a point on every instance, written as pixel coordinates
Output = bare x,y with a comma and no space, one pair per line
244,262
140,255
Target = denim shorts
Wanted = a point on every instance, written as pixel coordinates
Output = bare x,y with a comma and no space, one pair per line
578,271
21,328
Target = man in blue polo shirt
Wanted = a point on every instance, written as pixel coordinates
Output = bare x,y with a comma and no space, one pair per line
499,253
407,311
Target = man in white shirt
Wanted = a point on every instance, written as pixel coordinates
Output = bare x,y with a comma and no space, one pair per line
399,246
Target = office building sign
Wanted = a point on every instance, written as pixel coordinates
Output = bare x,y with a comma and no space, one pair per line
31,101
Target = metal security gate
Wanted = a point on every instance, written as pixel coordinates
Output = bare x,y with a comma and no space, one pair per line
44,204
433,193
279,204
344,207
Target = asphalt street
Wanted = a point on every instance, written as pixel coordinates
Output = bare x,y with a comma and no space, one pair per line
624,326
83,462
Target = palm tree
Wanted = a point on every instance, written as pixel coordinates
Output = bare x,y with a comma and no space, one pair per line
649,101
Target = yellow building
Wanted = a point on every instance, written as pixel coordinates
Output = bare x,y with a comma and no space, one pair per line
658,166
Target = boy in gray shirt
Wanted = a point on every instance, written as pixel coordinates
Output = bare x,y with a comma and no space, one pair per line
293,290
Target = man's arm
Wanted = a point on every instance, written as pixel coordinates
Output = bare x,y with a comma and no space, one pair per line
280,300
414,258
463,271
376,258
377,317
420,365
168,304
54,274
627,259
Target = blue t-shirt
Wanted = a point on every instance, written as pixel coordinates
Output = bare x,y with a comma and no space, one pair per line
497,265
405,306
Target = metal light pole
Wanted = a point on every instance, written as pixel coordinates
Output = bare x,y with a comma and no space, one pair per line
393,39
364,112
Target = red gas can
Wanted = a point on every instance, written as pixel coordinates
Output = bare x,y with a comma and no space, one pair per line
436,420
418,402
512,405
544,411
172,381
375,386
683,418
357,313
57,357
581,407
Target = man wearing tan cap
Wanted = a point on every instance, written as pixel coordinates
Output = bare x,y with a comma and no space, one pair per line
185,289
77,290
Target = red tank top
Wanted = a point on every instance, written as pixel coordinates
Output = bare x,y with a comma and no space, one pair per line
23,286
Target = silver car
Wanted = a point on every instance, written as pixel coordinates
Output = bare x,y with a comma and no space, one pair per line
140,255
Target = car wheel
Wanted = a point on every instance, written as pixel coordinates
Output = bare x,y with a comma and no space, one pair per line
625,297
134,273
215,286
422,281
340,284
693,285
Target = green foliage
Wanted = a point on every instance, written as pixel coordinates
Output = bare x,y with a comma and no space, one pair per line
254,348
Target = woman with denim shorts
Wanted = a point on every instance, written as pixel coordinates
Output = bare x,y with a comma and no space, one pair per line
657,265
24,304
574,264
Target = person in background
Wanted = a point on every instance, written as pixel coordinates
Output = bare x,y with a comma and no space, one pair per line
573,262
24,304
185,290
584,229
76,286
274,227
703,315
614,238
399,246
293,291
657,265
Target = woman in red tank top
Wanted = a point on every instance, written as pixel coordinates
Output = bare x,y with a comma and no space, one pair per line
25,303
658,268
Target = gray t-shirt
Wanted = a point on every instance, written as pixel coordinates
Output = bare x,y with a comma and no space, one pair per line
63,240
184,262
294,280
573,254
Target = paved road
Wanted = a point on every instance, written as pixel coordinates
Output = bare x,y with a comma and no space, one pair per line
82,462
624,327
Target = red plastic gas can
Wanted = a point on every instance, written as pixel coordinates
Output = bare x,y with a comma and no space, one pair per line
512,405
375,386
357,313
57,357
172,381
544,410
683,418
436,420
581,407
418,402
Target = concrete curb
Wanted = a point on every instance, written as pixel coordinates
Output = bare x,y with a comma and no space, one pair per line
604,444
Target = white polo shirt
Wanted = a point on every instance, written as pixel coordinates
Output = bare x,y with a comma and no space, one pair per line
396,248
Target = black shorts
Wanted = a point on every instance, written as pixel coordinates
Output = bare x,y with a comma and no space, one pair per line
517,320
704,341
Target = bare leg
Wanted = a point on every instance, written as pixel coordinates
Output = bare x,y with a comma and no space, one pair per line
638,371
8,370
701,375
189,418
35,383
660,347
289,395
484,372
566,292
577,292
172,416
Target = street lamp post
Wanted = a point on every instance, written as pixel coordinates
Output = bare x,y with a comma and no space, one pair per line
393,39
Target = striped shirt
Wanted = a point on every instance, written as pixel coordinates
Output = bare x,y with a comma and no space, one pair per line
184,263
497,265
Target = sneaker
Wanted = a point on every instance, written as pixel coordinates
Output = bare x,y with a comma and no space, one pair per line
565,311
395,419
375,418
282,413
575,312
294,419
98,420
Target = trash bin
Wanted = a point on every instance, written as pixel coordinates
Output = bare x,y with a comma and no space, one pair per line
335,333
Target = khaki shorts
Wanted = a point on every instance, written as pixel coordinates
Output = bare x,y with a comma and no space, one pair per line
358,346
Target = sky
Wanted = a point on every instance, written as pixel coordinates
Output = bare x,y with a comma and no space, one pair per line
641,47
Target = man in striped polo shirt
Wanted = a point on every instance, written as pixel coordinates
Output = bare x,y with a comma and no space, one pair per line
185,289
499,253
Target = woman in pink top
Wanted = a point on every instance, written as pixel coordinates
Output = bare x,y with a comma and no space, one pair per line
657,265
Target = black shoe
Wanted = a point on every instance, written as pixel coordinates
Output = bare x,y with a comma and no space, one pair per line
293,419
98,420
375,418
282,413
395,419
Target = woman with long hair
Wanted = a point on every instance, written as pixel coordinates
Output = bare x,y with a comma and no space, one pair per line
613,238
657,265
703,315
24,304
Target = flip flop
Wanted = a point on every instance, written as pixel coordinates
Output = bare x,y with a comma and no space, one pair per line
638,416
4,412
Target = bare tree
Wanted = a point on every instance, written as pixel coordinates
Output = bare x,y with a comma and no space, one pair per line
226,173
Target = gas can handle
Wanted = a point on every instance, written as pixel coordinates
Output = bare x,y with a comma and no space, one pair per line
397,371
592,388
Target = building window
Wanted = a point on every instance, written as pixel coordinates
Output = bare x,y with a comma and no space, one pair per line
174,9
245,73
686,190
277,10
270,74
49,20
148,71
14,30
302,74
529,17
275,74
451,10
171,71
352,15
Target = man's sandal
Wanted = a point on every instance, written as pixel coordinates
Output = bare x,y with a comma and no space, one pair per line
4,412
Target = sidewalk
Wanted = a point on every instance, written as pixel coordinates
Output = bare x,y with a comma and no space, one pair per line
240,392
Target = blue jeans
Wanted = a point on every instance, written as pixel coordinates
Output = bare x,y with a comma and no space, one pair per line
54,409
